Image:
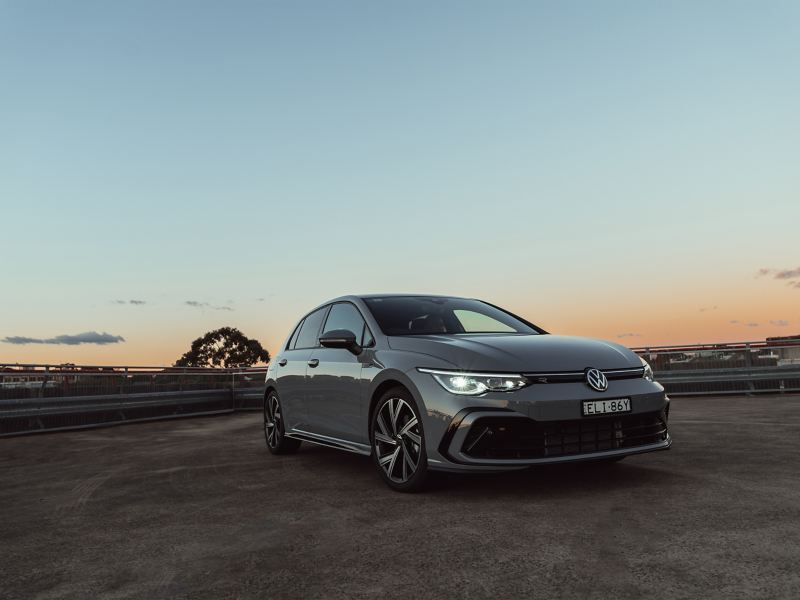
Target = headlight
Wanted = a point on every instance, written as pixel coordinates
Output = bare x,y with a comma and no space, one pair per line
473,384
648,371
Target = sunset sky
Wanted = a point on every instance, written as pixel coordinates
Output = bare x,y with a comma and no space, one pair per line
624,170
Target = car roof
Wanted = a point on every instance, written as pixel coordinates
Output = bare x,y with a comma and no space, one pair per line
351,297
396,295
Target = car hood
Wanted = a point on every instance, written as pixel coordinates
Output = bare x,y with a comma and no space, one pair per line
516,353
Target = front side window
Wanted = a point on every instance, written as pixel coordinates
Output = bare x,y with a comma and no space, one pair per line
425,315
345,316
309,330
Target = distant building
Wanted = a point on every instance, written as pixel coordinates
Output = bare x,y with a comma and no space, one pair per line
787,347
18,379
11,377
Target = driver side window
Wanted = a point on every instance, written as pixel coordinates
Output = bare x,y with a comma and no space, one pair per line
346,316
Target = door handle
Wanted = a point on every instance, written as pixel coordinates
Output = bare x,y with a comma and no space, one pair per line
313,362
282,362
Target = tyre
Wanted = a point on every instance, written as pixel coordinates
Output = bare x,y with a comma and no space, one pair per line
274,432
398,441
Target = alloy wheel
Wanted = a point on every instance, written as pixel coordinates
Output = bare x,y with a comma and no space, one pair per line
273,427
397,439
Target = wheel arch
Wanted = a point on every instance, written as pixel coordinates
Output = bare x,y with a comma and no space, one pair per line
271,387
387,380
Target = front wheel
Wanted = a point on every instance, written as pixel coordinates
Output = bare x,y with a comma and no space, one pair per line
274,431
398,441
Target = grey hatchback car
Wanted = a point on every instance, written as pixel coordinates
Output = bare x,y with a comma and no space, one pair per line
435,383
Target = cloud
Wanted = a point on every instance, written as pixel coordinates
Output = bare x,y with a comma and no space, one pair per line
780,273
627,335
196,304
779,323
746,324
89,337
134,302
788,273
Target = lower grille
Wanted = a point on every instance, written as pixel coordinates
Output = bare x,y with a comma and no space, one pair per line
510,438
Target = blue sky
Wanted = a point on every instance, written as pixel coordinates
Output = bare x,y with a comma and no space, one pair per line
602,168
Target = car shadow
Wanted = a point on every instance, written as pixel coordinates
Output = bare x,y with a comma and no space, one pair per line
592,477
542,481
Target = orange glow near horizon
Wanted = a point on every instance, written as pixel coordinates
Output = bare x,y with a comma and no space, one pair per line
672,320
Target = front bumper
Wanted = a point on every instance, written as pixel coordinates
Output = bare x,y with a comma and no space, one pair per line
492,438
540,424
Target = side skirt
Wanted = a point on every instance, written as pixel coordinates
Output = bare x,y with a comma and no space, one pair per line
330,442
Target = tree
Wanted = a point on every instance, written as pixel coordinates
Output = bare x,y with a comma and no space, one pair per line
225,347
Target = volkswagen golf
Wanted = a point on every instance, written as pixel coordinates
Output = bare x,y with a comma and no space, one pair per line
435,383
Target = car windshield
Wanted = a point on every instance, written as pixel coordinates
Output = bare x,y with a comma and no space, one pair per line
421,315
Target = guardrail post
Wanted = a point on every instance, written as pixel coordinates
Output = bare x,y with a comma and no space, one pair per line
748,361
44,381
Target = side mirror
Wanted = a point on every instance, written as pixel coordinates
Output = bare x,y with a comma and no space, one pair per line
340,338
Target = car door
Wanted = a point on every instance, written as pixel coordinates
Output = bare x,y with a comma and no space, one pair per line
292,367
335,389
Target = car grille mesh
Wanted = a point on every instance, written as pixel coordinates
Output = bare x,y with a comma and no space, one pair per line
520,438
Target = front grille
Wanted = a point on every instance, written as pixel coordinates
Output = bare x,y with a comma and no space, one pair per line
520,438
580,376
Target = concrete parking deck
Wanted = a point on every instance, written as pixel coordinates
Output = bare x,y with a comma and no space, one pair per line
197,508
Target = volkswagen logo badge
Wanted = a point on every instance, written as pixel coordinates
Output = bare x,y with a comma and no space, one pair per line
596,380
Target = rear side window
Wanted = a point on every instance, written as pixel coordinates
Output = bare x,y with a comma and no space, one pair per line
345,316
293,339
309,330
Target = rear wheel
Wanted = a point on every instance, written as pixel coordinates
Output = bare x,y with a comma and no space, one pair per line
274,431
398,441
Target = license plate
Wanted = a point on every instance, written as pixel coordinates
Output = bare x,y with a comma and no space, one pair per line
605,407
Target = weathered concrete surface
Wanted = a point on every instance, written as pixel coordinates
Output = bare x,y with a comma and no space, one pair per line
197,508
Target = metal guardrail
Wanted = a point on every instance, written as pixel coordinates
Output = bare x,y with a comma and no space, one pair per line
50,397
767,366
37,398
